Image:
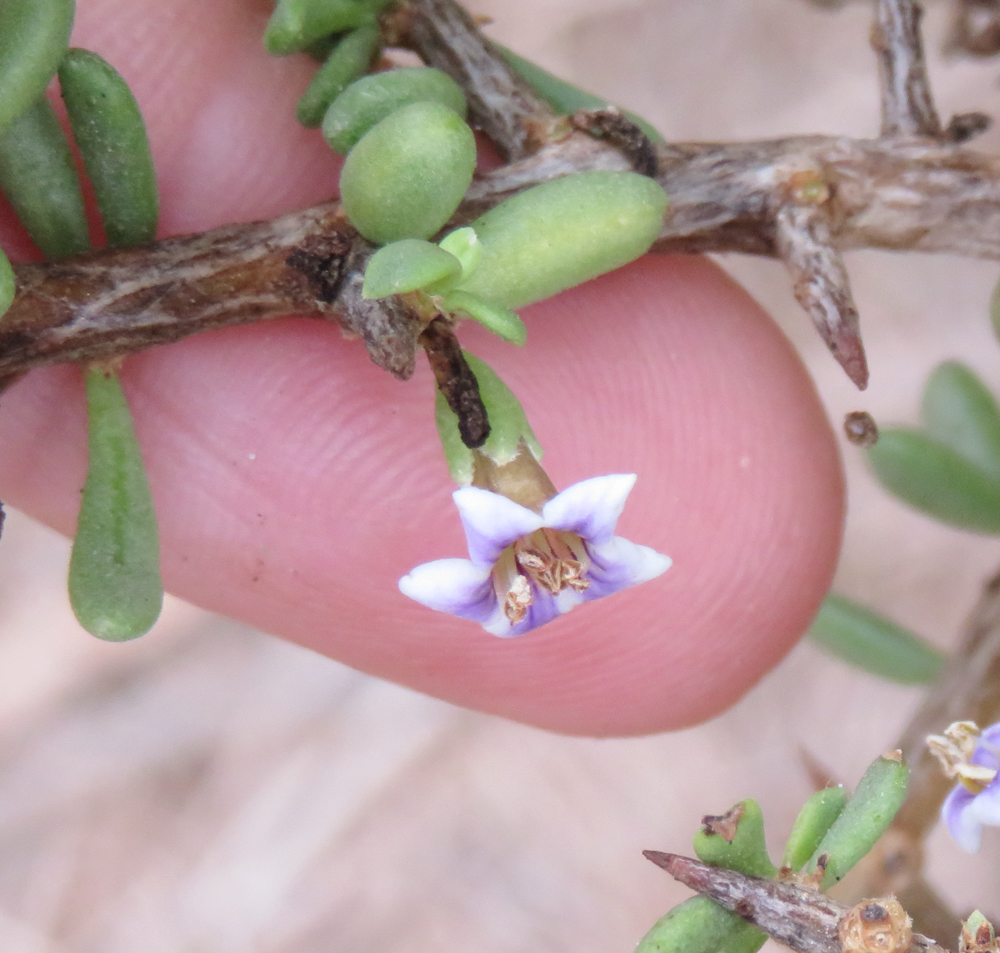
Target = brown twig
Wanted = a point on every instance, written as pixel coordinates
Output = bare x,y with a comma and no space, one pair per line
907,104
802,919
500,102
456,381
803,199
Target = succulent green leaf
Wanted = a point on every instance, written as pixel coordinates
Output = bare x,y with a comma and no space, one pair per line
563,97
297,24
114,571
736,841
8,283
814,820
934,478
111,135
39,179
348,60
508,425
564,232
34,35
959,411
503,323
700,925
368,101
406,266
864,819
873,643
407,175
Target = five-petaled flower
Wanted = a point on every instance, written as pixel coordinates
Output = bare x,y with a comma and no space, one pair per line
973,757
526,568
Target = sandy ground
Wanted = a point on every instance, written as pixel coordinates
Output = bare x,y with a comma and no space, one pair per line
212,789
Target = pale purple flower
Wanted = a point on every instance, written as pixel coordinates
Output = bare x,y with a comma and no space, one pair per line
975,801
524,568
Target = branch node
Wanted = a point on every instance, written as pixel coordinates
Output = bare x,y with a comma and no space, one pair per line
820,283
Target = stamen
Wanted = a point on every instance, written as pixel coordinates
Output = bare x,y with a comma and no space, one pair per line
550,559
518,599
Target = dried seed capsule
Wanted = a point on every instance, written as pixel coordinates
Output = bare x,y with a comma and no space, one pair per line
876,926
864,819
368,101
295,24
406,176
111,135
39,179
561,233
348,60
33,37
814,820
735,840
114,571
700,925
8,287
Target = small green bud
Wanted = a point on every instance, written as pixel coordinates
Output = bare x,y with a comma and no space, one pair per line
114,571
465,246
508,425
111,135
39,178
33,37
407,265
873,643
700,925
368,101
407,175
814,820
864,819
564,232
735,840
503,323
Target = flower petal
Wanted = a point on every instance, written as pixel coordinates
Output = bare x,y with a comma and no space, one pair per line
492,522
987,751
985,806
962,825
591,507
452,585
620,563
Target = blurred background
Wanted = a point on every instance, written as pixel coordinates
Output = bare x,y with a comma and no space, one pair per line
212,789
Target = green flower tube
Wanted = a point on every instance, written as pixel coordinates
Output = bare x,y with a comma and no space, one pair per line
407,175
39,179
348,60
111,135
368,101
33,37
561,233
114,570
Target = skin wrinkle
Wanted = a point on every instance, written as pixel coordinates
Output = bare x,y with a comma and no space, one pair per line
355,492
